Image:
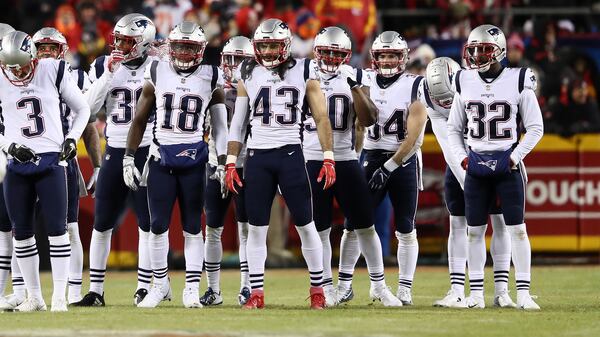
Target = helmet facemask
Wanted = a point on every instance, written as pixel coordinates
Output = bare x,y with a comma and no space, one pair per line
271,52
389,62
186,54
126,45
330,59
481,55
20,75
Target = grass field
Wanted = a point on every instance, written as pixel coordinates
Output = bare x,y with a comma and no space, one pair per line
569,297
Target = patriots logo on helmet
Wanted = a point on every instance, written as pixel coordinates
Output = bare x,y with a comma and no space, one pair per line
283,25
491,164
532,78
191,153
494,32
26,45
142,24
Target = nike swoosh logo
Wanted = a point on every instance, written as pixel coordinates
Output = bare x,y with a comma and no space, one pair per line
291,153
406,164
472,306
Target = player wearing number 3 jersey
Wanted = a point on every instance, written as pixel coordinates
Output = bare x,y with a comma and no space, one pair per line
275,85
116,86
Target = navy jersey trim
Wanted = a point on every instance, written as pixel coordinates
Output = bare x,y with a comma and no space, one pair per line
522,72
457,81
99,66
359,75
80,78
60,74
215,77
427,97
153,67
306,69
415,89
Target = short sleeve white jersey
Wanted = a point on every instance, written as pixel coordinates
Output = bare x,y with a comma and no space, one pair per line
340,108
492,109
276,104
230,89
31,114
393,102
124,89
181,101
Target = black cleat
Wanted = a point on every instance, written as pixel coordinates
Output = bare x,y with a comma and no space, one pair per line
139,296
211,297
90,299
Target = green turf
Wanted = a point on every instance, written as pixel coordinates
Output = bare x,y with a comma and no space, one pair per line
569,297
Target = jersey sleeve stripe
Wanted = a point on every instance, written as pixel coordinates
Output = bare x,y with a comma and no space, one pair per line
415,89
99,66
522,72
427,97
306,69
359,75
457,81
80,78
153,67
215,77
60,74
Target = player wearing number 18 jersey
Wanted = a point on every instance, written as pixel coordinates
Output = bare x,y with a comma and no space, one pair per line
348,102
116,86
275,85
491,101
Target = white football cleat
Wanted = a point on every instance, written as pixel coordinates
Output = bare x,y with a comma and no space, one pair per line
526,302
13,300
475,302
404,295
385,295
344,295
191,298
157,294
453,299
32,304
503,300
59,305
330,296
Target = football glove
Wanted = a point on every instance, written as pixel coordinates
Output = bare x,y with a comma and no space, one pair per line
328,173
348,72
219,176
69,149
465,163
379,179
114,60
232,178
130,172
21,153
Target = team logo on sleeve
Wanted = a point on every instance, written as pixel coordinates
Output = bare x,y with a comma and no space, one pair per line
191,153
491,164
494,32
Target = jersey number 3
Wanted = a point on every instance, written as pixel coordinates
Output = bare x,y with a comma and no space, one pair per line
35,106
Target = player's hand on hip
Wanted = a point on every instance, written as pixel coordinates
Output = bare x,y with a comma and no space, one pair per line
91,184
379,179
327,173
232,178
130,172
219,176
114,60
21,153
68,149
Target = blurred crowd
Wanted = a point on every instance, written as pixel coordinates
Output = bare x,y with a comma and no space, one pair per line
567,74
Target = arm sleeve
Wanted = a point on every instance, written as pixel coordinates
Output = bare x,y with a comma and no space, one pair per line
532,122
456,125
239,121
218,120
70,93
440,129
98,90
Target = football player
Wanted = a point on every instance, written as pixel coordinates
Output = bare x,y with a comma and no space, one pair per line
30,95
491,100
183,90
347,103
117,82
50,43
438,93
236,50
275,85
392,148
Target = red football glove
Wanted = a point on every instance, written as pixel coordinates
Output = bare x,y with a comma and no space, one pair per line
327,172
232,178
114,60
465,163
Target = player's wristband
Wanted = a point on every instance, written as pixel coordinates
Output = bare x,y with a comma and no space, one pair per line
328,155
231,159
130,152
391,165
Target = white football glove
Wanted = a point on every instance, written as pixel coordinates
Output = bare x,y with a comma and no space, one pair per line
347,72
219,176
130,172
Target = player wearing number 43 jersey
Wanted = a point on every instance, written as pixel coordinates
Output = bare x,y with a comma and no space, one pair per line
117,82
347,101
33,136
491,101
275,85
183,91
392,149
438,93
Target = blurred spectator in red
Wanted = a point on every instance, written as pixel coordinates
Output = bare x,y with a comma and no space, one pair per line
168,13
247,17
91,22
307,27
583,67
579,114
65,22
91,46
515,53
358,17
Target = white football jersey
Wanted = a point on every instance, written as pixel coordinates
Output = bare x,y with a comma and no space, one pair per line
31,114
340,108
492,110
392,102
181,101
230,97
82,80
276,105
122,95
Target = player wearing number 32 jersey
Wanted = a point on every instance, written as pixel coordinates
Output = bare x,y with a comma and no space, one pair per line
491,100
